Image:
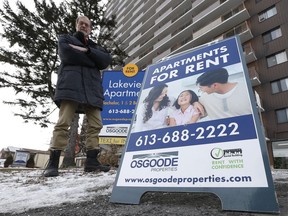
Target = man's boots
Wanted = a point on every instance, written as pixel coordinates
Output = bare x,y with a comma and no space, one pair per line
53,164
92,164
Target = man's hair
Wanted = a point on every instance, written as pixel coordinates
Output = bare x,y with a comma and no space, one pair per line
77,20
219,75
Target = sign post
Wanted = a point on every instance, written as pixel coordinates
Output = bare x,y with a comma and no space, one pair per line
223,152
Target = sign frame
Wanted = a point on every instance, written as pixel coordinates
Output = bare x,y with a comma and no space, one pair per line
251,198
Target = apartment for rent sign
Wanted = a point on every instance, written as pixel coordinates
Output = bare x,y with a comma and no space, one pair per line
121,93
223,151
189,64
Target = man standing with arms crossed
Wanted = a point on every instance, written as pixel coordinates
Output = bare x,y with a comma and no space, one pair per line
79,90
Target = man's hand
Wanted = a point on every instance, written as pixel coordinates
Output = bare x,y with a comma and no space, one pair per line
83,49
81,36
200,108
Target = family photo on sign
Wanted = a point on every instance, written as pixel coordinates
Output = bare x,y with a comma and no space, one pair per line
214,94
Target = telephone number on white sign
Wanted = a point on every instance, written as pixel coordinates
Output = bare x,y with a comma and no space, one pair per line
184,135
216,131
121,111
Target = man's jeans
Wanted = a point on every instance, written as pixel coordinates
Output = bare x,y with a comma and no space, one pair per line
66,114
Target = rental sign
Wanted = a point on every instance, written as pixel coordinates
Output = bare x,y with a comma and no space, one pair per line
197,129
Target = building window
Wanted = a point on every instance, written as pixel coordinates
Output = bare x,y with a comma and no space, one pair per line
232,12
236,30
279,85
282,115
277,59
272,35
267,14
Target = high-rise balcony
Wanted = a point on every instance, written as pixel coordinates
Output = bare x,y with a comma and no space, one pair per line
249,53
254,76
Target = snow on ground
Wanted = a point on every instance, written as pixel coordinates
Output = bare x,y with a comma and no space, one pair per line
21,190
26,189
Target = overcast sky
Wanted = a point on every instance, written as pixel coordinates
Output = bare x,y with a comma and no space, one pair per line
14,132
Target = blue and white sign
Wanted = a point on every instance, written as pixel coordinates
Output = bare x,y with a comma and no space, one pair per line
197,129
21,158
121,94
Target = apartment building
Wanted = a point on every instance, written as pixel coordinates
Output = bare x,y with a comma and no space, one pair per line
150,30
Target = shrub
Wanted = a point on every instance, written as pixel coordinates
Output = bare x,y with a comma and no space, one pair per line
111,156
30,163
8,161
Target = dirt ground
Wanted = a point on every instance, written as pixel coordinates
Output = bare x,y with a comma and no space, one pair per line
160,204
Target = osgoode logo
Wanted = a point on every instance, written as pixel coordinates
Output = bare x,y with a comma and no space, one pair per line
157,160
117,130
218,153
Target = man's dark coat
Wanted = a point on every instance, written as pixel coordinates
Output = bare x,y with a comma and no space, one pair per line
79,77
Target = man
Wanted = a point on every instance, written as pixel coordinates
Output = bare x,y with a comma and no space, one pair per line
220,98
79,89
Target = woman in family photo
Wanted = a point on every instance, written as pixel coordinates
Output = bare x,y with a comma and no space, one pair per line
154,110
